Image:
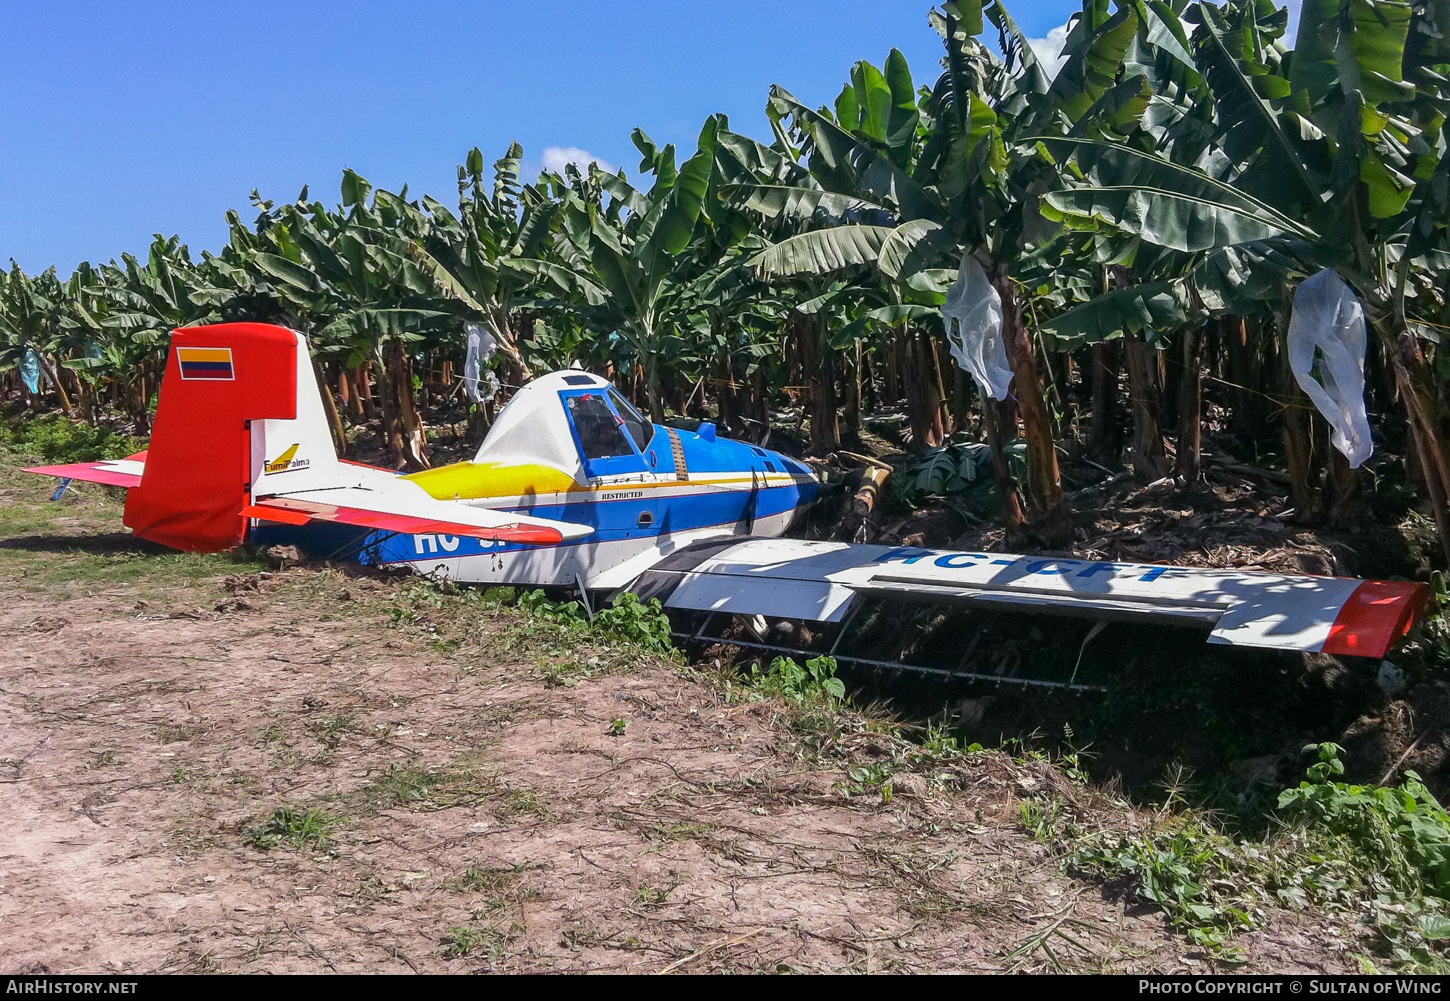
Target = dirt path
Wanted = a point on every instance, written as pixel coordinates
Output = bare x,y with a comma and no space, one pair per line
464,787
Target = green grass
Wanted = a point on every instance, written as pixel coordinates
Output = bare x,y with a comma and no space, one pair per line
79,544
417,789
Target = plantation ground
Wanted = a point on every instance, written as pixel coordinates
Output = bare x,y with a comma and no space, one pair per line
464,799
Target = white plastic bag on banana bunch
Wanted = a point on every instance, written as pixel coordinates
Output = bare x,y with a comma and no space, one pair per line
481,347
973,318
1327,316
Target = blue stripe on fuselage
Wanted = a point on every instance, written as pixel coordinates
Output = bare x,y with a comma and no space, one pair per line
616,520
611,520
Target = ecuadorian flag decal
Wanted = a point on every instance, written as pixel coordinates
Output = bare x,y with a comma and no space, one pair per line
205,363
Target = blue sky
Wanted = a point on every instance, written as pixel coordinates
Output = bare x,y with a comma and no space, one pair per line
123,120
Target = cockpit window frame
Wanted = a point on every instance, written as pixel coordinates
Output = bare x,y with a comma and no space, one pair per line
631,461
630,416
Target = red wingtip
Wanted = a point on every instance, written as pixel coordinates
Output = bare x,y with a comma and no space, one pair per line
535,535
1377,614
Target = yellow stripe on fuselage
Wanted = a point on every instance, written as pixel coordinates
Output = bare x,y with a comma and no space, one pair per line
475,480
487,480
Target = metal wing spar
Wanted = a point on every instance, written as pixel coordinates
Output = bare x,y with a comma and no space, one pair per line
821,581
407,509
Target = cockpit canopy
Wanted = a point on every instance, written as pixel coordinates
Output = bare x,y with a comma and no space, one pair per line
573,421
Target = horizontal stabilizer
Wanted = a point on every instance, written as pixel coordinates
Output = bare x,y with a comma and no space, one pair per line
112,472
822,581
397,510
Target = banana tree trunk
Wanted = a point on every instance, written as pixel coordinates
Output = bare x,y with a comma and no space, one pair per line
1190,408
896,365
351,398
999,421
1104,438
363,380
329,405
1150,458
60,393
816,366
922,386
1047,514
136,399
518,369
407,442
1342,484
728,404
760,400
1426,416
1303,452
652,389
851,409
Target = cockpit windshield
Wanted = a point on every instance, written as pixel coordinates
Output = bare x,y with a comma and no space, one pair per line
597,426
640,429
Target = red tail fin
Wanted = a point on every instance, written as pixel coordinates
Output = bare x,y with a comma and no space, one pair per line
198,468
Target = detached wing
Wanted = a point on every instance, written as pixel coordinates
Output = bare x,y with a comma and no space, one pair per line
112,472
403,507
822,581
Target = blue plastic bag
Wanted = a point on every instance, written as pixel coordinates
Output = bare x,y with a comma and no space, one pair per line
30,370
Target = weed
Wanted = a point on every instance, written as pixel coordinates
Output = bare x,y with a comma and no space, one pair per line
873,778
329,731
628,620
686,831
439,606
1042,818
491,882
642,624
521,802
287,825
1382,853
816,682
617,726
1056,933
653,896
468,940
570,673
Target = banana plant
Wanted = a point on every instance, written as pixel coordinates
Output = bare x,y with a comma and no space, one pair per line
369,299
30,322
627,258
475,255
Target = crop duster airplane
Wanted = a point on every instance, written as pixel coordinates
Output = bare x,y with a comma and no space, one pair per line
573,487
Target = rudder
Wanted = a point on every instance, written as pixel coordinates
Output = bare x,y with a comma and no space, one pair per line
229,392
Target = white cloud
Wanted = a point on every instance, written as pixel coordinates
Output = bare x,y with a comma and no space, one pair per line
555,157
1049,50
